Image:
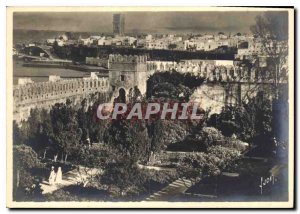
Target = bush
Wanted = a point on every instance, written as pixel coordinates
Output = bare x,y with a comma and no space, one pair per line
234,144
199,165
123,176
173,85
61,195
198,141
162,176
27,174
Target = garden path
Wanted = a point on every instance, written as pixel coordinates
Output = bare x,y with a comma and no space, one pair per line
172,190
72,177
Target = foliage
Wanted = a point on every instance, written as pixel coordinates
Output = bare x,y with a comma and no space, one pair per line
18,135
272,30
199,140
61,195
172,85
26,185
129,140
92,157
234,144
60,132
172,46
35,131
132,143
123,175
161,176
250,120
200,165
225,154
165,133
156,132
272,24
65,137
25,157
255,122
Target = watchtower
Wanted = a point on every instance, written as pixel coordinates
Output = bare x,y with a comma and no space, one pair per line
127,72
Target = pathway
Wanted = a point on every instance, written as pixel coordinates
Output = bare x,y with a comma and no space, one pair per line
172,190
72,177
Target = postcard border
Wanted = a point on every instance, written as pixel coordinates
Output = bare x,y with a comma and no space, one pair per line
9,99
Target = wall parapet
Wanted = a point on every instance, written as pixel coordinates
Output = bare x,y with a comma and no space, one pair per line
39,91
117,58
215,73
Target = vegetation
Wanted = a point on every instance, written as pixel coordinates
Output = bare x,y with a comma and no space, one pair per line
120,150
197,166
172,85
26,182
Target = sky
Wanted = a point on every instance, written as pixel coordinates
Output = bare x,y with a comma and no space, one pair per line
139,22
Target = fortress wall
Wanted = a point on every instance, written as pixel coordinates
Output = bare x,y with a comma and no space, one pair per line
215,96
223,85
46,94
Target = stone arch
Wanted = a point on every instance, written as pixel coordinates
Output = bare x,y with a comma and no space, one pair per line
122,95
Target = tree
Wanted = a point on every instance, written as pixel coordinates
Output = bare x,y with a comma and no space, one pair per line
90,126
156,133
66,137
199,140
172,46
191,167
90,163
172,85
197,166
272,29
18,135
170,91
129,140
122,174
25,183
129,144
35,132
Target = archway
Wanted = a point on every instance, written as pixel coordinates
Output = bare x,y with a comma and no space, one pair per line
122,95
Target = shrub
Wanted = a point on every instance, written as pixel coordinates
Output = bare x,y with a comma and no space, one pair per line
61,195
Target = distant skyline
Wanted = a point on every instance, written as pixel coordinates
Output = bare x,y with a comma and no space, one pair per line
138,22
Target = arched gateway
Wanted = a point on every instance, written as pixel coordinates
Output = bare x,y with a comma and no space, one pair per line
128,73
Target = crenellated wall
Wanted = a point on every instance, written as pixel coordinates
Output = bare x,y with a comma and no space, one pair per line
45,94
214,71
225,84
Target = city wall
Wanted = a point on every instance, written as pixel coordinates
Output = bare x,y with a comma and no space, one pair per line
46,94
227,84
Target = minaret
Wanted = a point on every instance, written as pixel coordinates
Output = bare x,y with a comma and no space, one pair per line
118,24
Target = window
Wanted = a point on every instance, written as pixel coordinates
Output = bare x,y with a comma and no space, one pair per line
122,77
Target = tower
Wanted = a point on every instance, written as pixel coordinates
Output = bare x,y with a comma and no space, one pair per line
118,24
127,72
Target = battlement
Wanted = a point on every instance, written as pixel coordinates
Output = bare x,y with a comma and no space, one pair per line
213,72
59,89
132,59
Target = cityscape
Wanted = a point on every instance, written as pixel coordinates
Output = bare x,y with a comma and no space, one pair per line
222,88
